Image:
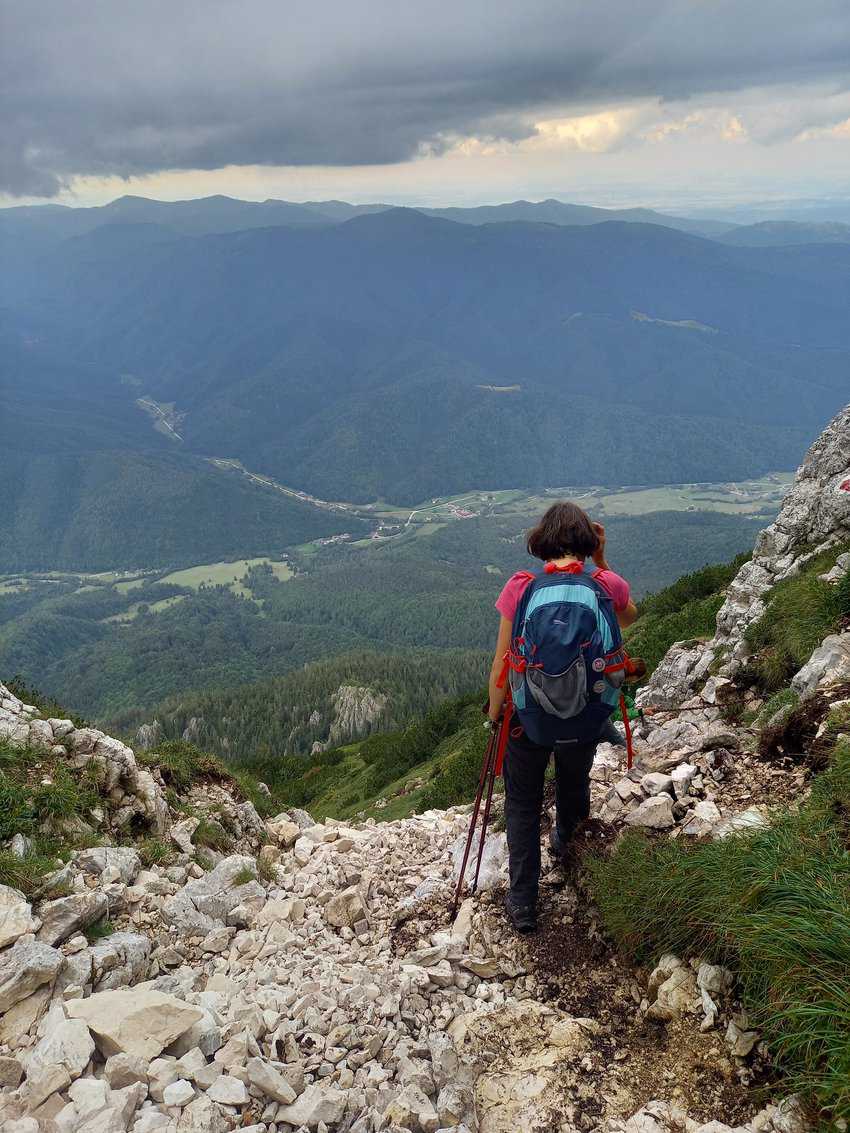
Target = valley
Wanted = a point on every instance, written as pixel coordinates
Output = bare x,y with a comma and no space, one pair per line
756,497
414,586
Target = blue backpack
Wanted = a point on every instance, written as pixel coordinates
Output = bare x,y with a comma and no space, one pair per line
566,659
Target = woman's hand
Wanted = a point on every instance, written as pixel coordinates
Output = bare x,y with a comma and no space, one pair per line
599,554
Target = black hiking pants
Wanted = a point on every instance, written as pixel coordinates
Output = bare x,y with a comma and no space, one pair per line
524,771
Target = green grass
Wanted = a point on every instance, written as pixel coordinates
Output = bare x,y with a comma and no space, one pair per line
225,574
27,873
182,764
40,798
99,931
38,793
786,698
153,851
773,905
245,876
211,835
266,871
801,611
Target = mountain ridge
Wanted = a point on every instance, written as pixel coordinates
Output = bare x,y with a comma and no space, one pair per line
310,350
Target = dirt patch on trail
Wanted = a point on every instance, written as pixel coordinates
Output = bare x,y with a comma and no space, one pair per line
427,917
633,1059
569,964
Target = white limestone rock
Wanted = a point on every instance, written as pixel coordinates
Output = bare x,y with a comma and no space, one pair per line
67,1043
412,1109
99,859
125,1069
345,909
494,861
24,968
40,736
178,1093
657,783
702,820
655,813
829,664
318,1103
682,777
16,917
283,831
62,918
137,1021
270,1081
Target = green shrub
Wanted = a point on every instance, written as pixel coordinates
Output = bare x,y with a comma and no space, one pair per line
99,931
774,905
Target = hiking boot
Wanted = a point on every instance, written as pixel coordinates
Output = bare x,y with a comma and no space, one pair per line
522,917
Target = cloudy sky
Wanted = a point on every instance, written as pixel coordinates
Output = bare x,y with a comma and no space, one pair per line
441,101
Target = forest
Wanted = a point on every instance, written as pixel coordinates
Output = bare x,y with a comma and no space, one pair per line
112,653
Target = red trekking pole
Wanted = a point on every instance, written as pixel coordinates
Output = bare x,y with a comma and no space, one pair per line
491,768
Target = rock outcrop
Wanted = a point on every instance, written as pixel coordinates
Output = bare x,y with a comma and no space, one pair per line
815,516
356,709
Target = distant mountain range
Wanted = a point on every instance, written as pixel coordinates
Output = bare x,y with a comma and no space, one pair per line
224,214
398,354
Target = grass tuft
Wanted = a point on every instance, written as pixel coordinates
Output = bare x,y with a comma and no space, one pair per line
27,873
153,851
266,871
99,930
210,834
182,764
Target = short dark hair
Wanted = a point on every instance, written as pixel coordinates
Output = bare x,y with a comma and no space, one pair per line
565,529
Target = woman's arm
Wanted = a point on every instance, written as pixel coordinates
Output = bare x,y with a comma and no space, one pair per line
497,695
628,614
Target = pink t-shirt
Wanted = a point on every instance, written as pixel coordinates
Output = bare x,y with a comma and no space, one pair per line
512,591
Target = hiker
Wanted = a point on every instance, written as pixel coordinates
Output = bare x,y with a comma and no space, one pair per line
563,692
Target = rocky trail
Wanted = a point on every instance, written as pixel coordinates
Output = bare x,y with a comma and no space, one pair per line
312,981
306,977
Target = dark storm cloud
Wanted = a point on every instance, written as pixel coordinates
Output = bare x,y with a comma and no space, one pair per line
113,87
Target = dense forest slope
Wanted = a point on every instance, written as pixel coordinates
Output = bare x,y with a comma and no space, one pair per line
309,353
115,648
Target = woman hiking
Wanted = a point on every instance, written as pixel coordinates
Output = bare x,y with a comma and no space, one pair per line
559,629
